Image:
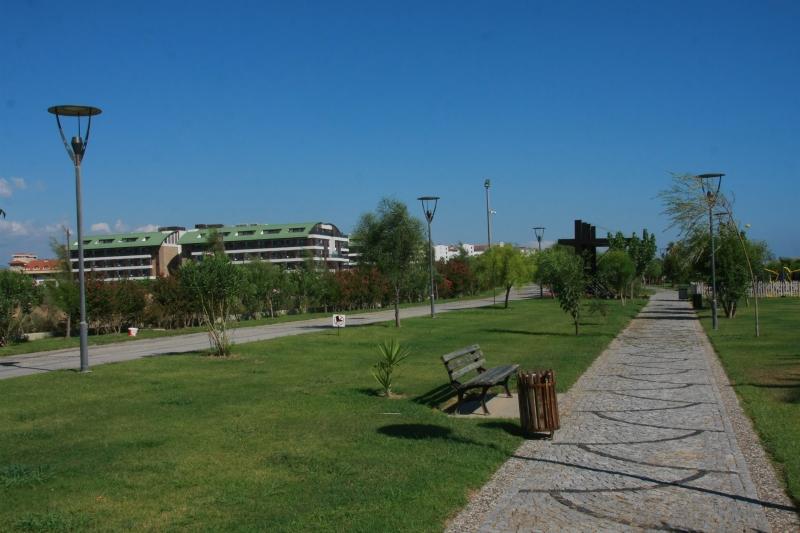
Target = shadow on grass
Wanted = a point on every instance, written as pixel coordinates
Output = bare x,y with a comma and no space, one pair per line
366,391
435,397
508,427
427,432
665,317
543,333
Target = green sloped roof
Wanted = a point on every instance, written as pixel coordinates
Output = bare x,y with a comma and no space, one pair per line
121,240
250,232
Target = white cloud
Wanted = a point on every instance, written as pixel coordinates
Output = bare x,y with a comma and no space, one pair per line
101,227
16,229
120,226
7,186
147,227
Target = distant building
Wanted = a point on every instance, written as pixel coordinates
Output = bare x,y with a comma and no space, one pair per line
19,260
139,255
30,265
284,244
42,270
449,251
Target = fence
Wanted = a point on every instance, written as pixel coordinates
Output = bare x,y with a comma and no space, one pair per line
764,289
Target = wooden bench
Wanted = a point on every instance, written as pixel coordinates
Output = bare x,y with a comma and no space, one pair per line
464,361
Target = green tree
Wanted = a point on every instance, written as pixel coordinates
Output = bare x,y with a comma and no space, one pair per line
63,295
505,265
216,285
392,241
641,251
18,296
616,269
172,303
733,272
563,271
655,270
265,282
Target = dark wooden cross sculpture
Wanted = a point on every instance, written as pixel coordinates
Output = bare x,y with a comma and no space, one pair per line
586,243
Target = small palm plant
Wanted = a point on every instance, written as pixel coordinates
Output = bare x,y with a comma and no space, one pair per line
392,354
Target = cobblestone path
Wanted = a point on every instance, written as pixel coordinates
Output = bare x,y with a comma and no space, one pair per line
646,444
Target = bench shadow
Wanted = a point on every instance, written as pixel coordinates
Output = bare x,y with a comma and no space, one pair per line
435,397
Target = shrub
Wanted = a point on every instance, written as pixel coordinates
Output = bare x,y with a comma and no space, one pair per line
392,354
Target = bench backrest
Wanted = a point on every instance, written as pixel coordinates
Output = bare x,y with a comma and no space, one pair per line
463,361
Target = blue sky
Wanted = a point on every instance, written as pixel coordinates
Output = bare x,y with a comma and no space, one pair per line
241,112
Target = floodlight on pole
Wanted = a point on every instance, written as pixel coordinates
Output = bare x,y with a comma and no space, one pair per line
76,149
538,231
710,184
429,204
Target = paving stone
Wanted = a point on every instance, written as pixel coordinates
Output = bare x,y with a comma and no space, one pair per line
645,444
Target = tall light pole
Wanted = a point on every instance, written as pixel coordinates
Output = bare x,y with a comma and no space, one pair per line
710,184
487,183
429,204
539,232
76,150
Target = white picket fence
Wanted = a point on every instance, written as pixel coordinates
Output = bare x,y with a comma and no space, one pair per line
764,289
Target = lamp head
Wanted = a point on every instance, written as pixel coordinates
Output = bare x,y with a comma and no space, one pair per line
487,183
429,204
77,147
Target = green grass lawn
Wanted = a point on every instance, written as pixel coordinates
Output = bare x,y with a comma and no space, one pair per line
287,435
765,373
61,343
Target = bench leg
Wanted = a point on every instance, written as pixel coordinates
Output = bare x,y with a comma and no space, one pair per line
505,384
484,390
460,400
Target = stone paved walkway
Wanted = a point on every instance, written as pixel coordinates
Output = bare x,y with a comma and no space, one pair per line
645,444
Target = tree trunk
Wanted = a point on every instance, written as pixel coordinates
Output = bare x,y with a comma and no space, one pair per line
508,292
397,306
69,326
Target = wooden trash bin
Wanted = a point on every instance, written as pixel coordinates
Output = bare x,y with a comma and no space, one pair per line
538,406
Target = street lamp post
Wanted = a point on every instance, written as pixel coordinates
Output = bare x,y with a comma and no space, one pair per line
76,150
429,204
710,184
539,232
487,183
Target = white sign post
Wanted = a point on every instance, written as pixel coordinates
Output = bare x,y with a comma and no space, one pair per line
338,322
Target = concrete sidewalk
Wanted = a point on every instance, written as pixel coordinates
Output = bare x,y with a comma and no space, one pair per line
33,363
647,443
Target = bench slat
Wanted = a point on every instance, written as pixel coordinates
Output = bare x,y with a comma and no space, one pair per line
461,352
492,376
455,374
